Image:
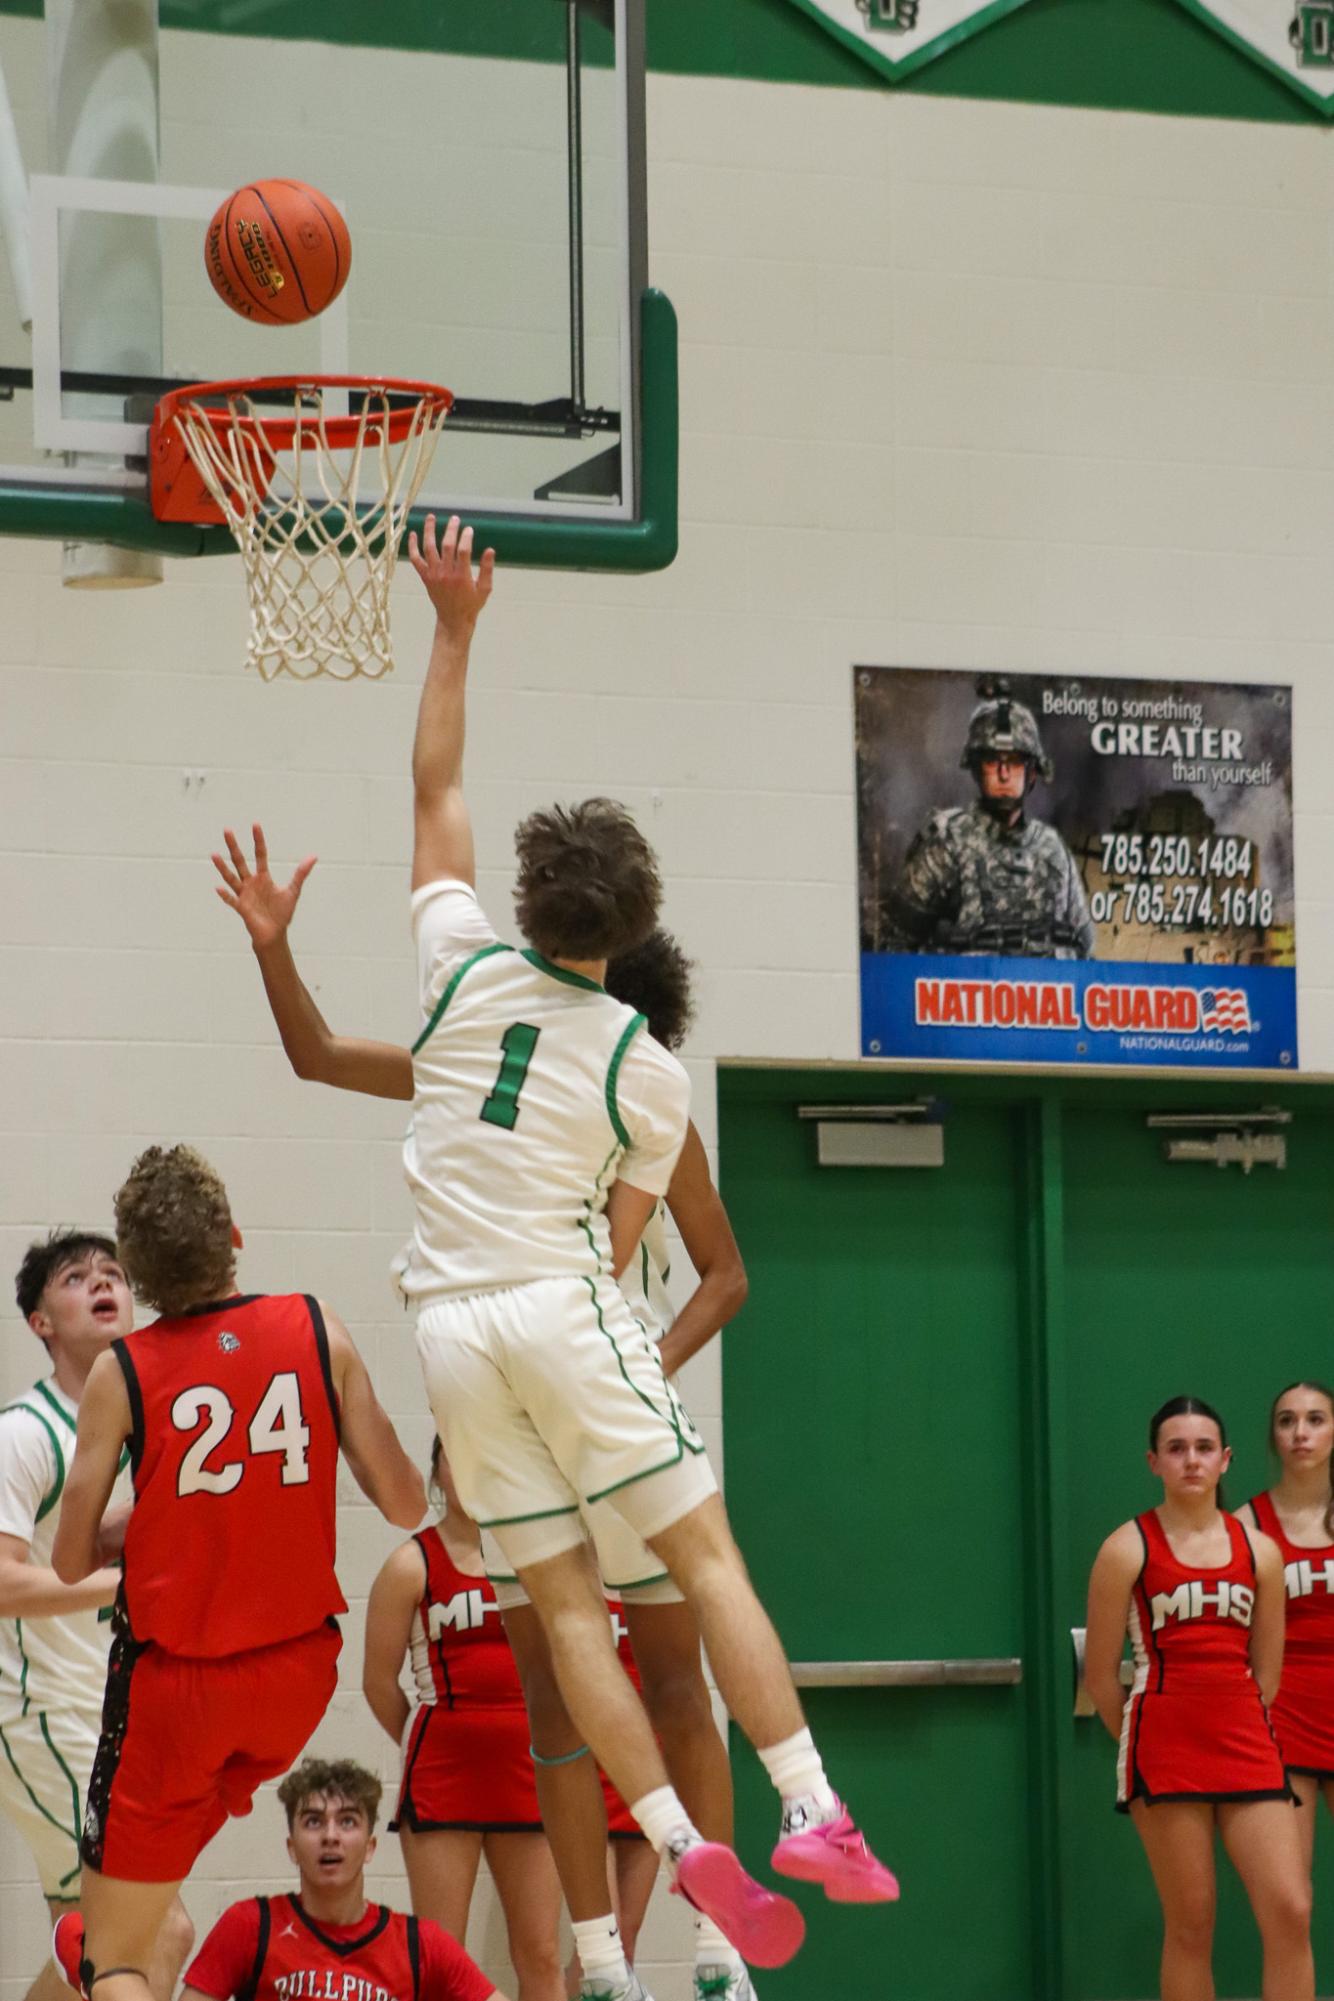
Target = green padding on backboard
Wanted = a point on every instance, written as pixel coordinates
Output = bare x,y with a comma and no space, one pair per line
536,542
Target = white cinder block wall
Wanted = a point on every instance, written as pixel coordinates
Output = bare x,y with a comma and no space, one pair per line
962,384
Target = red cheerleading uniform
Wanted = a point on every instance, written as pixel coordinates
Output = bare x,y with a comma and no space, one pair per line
271,1949
1303,1711
466,1761
1195,1727
226,1647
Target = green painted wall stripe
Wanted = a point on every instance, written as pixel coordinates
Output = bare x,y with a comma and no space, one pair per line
1133,55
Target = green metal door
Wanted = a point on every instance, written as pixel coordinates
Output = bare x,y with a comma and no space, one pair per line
1178,1278
936,1404
873,1422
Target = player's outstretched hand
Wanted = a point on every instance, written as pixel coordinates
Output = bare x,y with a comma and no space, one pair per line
265,907
445,568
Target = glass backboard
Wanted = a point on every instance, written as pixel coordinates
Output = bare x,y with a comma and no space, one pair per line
489,161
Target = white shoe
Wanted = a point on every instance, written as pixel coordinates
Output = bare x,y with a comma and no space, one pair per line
615,1990
723,1983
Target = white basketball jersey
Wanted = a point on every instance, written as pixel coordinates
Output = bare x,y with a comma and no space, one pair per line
50,1663
534,1088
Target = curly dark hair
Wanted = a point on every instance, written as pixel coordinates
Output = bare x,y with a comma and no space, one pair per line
174,1230
41,1262
588,883
654,980
331,1778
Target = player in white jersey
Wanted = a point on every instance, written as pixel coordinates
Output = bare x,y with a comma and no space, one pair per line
531,1194
54,1637
654,980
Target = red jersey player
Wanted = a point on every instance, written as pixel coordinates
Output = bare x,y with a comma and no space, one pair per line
1202,1601
327,1942
233,1408
1298,1515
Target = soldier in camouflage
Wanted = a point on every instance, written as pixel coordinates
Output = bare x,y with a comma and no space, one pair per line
985,878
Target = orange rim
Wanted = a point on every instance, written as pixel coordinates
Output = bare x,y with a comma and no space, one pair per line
278,432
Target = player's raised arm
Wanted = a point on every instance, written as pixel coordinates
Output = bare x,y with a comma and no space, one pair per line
104,1426
266,908
370,1445
698,1213
442,832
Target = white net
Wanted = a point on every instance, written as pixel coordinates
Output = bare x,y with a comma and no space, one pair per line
319,559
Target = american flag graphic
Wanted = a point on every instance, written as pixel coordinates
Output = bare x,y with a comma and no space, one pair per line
1225,1008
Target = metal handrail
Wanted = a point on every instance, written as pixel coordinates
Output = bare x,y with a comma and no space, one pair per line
995,1672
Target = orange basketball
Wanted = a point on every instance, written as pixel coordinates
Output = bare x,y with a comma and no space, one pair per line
277,252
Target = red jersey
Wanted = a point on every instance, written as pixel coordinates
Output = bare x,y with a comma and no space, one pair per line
1191,1625
234,1448
460,1656
1195,1727
1308,1575
270,1949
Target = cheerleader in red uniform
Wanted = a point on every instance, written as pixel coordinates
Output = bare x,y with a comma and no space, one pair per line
467,1788
1298,1515
1201,1598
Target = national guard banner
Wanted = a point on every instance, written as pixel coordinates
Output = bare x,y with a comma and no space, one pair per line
897,36
1294,38
1055,870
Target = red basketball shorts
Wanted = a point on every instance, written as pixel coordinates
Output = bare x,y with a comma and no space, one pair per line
187,1742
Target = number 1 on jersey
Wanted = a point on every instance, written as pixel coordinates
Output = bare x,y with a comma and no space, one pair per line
502,1107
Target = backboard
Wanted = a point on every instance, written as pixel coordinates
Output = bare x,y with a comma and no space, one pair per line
489,161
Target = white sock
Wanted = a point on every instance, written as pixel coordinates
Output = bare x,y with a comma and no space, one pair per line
795,1768
712,1949
665,1822
601,1954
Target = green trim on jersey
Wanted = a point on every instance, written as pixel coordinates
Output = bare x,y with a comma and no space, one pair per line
613,1071
56,1405
487,952
50,1499
73,1788
647,1473
542,1515
23,1671
45,1812
585,1223
561,973
668,1417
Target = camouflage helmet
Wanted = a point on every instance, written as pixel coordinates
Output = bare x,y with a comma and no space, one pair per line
999,727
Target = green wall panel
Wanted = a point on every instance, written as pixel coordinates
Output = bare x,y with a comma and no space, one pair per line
1135,55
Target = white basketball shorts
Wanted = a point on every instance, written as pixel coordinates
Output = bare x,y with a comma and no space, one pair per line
549,1395
45,1761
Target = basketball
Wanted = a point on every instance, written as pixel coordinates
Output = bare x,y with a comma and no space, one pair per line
277,252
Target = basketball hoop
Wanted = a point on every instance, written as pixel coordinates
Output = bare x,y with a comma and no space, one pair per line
286,479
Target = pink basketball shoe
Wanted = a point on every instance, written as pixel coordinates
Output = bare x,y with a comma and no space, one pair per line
834,1854
765,1928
